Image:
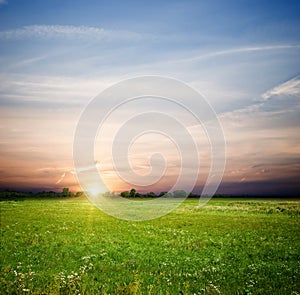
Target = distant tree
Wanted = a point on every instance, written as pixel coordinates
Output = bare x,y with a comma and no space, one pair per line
124,194
179,194
192,195
132,193
151,195
109,194
162,194
79,194
138,195
66,192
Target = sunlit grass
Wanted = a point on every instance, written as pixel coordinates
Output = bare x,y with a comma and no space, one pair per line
228,247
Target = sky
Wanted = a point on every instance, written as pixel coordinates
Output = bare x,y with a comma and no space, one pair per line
243,56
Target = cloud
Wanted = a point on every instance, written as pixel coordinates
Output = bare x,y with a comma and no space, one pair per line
263,141
3,2
29,90
251,49
67,32
86,168
291,87
61,178
29,61
238,50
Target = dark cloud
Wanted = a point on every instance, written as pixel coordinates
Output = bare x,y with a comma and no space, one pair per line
289,187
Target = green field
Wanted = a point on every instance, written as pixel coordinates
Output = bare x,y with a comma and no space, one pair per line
231,246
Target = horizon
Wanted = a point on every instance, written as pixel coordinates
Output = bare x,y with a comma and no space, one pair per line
37,191
242,57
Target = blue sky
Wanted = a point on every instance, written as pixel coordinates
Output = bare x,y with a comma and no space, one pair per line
244,56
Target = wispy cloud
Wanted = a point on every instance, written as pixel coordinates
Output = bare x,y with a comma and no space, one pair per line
61,178
18,88
86,168
69,32
2,2
29,61
254,48
238,50
291,87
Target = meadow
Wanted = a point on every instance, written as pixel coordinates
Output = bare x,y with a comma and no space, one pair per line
231,246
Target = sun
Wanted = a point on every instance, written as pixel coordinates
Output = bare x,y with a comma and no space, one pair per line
95,191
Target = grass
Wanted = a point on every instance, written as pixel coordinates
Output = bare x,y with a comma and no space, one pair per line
228,247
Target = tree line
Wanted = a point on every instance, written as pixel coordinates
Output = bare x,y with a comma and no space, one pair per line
130,194
17,195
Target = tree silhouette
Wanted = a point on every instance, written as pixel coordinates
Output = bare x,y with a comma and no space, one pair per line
66,192
124,194
132,193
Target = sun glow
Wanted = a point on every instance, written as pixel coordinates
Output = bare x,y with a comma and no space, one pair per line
95,191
